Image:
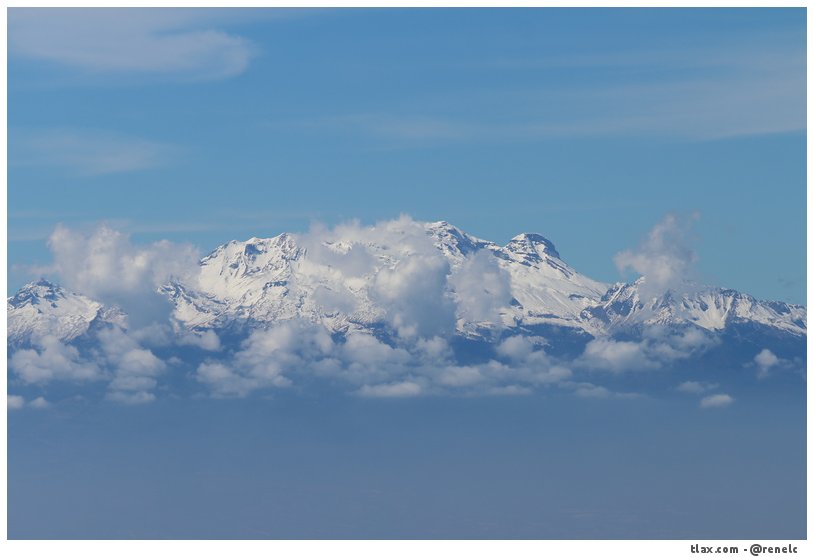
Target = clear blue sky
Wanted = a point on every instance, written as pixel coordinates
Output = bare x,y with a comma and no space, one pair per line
586,126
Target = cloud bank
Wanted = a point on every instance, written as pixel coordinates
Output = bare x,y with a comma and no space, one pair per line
410,352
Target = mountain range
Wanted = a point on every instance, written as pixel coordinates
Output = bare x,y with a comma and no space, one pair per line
401,308
523,287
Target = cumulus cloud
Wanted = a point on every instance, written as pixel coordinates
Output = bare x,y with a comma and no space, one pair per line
696,387
39,403
415,297
716,401
398,298
658,347
49,360
134,368
205,340
265,358
15,402
482,288
391,390
589,390
414,291
117,359
105,265
765,361
664,259
616,356
407,278
293,351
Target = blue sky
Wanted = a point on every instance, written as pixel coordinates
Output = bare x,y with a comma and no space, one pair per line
586,126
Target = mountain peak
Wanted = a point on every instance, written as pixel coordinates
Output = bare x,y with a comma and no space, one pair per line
450,236
42,308
529,244
36,290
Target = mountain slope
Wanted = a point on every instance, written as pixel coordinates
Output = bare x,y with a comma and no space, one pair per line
41,308
713,309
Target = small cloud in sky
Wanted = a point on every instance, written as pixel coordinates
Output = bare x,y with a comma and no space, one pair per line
16,402
86,152
403,389
716,401
696,387
176,44
765,360
39,403
665,258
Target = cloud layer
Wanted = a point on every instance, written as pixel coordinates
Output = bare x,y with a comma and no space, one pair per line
412,347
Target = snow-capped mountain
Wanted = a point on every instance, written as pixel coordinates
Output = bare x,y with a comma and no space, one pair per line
350,283
263,280
41,308
710,308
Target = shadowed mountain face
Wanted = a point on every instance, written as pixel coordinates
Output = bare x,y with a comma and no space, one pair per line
398,309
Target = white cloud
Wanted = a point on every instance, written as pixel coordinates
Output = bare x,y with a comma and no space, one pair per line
292,350
223,381
134,368
615,355
716,401
129,370
392,390
39,403
664,258
696,387
106,266
406,278
414,295
130,397
460,376
765,360
206,340
592,391
509,390
87,152
179,45
265,358
14,402
589,390
482,288
516,348
659,346
51,360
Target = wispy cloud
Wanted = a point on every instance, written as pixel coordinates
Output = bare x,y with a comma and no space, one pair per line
173,43
696,387
87,152
700,94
